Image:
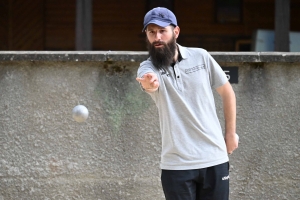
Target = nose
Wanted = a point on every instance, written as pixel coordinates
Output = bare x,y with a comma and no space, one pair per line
157,36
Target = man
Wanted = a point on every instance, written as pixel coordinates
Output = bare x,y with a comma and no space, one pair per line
194,158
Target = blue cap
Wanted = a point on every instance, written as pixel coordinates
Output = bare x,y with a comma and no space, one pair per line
159,16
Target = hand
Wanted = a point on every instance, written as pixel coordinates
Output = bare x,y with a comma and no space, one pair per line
232,142
149,82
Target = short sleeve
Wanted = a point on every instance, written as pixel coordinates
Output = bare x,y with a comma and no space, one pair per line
145,67
217,75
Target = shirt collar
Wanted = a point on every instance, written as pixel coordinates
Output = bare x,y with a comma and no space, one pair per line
182,52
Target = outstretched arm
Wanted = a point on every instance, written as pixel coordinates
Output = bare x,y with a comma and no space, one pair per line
149,82
229,106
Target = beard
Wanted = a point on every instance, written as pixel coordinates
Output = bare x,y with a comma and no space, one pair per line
162,57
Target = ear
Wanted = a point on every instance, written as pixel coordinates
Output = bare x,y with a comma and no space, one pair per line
176,31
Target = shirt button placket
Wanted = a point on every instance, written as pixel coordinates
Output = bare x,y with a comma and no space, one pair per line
178,80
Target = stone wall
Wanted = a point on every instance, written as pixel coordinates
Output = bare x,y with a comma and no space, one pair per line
115,154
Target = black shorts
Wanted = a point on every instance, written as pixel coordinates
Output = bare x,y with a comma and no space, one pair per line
210,183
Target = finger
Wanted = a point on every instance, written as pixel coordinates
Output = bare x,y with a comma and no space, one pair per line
230,152
149,77
155,83
153,79
138,79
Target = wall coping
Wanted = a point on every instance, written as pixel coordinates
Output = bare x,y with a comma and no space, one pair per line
138,56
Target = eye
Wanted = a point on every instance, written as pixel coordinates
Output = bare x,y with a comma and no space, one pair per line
162,31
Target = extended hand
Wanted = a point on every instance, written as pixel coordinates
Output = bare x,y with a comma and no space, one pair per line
149,82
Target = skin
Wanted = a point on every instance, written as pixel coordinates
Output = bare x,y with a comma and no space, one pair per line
156,33
229,106
150,83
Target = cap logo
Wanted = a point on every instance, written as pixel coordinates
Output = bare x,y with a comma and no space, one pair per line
161,15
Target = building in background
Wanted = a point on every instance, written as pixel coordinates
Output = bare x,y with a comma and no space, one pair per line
216,25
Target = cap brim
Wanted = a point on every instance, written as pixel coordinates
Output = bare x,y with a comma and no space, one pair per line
157,22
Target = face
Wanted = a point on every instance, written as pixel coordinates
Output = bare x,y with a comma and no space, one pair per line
161,43
156,34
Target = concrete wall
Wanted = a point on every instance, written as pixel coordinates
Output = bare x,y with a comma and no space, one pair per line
115,154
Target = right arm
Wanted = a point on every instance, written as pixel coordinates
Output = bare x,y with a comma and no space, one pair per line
149,82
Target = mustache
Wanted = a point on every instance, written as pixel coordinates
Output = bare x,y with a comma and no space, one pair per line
158,43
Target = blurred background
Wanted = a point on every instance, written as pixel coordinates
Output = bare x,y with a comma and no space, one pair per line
215,25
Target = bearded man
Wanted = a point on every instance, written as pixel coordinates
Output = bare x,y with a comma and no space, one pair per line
180,80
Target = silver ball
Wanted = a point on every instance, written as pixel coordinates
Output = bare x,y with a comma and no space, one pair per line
80,113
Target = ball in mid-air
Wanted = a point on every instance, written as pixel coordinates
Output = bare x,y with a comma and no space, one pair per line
80,113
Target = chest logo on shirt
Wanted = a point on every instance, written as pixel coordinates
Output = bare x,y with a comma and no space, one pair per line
194,69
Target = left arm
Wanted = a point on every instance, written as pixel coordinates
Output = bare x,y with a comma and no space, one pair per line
229,106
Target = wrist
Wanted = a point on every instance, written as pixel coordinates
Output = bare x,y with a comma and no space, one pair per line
230,133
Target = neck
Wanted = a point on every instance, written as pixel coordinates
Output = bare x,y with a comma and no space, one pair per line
176,55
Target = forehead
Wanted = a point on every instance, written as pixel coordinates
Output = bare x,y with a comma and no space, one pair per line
154,26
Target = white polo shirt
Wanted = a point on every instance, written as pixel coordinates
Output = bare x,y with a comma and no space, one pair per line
191,133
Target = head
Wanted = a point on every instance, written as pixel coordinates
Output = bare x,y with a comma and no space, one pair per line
160,26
